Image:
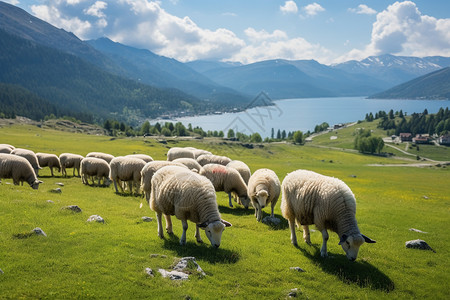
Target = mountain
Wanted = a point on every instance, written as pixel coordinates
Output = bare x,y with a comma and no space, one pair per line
435,85
160,71
203,66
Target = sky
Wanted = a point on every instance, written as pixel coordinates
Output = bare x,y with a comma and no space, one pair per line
247,31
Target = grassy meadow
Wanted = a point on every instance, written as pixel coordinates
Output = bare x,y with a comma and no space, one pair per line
85,260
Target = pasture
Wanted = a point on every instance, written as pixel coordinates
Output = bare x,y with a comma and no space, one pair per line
92,260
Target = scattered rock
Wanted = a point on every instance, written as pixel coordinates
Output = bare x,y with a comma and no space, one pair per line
163,256
56,191
147,219
38,231
298,269
182,270
188,263
154,255
1,272
50,201
271,221
74,208
60,183
149,272
425,197
173,275
294,293
353,176
96,218
417,230
418,244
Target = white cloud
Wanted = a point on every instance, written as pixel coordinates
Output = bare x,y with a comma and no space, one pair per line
289,7
13,2
313,9
96,9
229,14
259,36
363,9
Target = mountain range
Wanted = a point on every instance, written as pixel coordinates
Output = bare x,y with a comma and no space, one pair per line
111,80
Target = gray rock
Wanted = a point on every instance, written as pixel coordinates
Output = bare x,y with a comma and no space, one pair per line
60,183
417,230
173,275
50,201
1,272
149,272
154,255
188,262
74,208
297,269
425,197
271,221
418,244
293,293
147,219
95,218
56,191
38,231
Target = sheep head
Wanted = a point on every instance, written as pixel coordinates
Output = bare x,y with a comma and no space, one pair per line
351,244
214,231
35,184
262,196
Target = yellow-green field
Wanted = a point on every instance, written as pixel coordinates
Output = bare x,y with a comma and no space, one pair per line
92,260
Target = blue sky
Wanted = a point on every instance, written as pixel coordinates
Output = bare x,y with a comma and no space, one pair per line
328,31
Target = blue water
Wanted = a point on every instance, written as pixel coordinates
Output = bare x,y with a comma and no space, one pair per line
305,114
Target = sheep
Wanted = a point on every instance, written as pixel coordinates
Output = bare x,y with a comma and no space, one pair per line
311,198
191,163
19,169
70,160
188,196
149,170
144,157
30,156
177,152
242,168
95,167
49,160
198,152
6,148
105,156
126,169
213,159
228,180
263,188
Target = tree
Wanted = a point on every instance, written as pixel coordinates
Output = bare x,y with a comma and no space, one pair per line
279,134
298,137
230,134
145,128
256,138
283,135
272,135
166,131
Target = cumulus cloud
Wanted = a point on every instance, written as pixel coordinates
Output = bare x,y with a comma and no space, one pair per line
401,29
313,9
96,9
363,9
13,2
289,7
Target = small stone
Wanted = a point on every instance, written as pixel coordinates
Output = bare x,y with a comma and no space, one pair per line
50,201
183,264
425,197
147,219
353,176
270,220
38,231
293,293
1,272
74,208
149,272
60,183
56,191
163,256
154,255
417,230
95,218
297,269
173,275
418,244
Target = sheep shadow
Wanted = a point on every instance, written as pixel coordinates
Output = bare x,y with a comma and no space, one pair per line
360,272
201,251
237,210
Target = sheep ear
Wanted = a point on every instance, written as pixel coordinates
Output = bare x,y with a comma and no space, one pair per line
343,239
203,225
368,239
227,224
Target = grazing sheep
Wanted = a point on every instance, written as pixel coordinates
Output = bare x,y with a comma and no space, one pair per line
263,188
191,163
310,198
49,160
126,169
198,152
177,152
242,168
105,156
93,167
19,169
5,148
188,196
228,180
149,170
30,156
144,157
70,160
213,159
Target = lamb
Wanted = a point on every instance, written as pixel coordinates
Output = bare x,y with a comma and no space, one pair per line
70,160
177,152
95,167
19,169
228,180
49,160
126,169
188,196
263,188
149,170
144,157
213,159
242,168
30,156
105,156
191,163
310,198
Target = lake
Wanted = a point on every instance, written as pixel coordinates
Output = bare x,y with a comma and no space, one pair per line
305,114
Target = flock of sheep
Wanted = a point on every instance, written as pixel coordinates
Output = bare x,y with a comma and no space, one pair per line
185,186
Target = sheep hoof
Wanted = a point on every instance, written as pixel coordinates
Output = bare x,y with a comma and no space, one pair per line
182,243
324,254
200,241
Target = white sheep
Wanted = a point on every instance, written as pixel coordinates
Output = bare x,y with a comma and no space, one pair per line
178,152
30,156
7,146
263,188
70,160
105,156
188,196
93,167
126,169
19,169
242,168
213,159
149,170
310,198
144,157
191,163
49,160
198,152
4,148
228,180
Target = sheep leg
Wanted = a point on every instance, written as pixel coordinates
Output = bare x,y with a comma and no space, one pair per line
293,236
51,170
323,250
306,234
115,185
169,227
183,236
197,235
160,229
273,208
229,200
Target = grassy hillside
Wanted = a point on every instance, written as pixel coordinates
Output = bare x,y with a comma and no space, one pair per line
83,260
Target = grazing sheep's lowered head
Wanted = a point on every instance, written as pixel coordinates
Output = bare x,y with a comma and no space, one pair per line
214,231
350,244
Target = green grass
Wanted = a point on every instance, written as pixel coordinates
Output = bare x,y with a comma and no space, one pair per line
84,260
